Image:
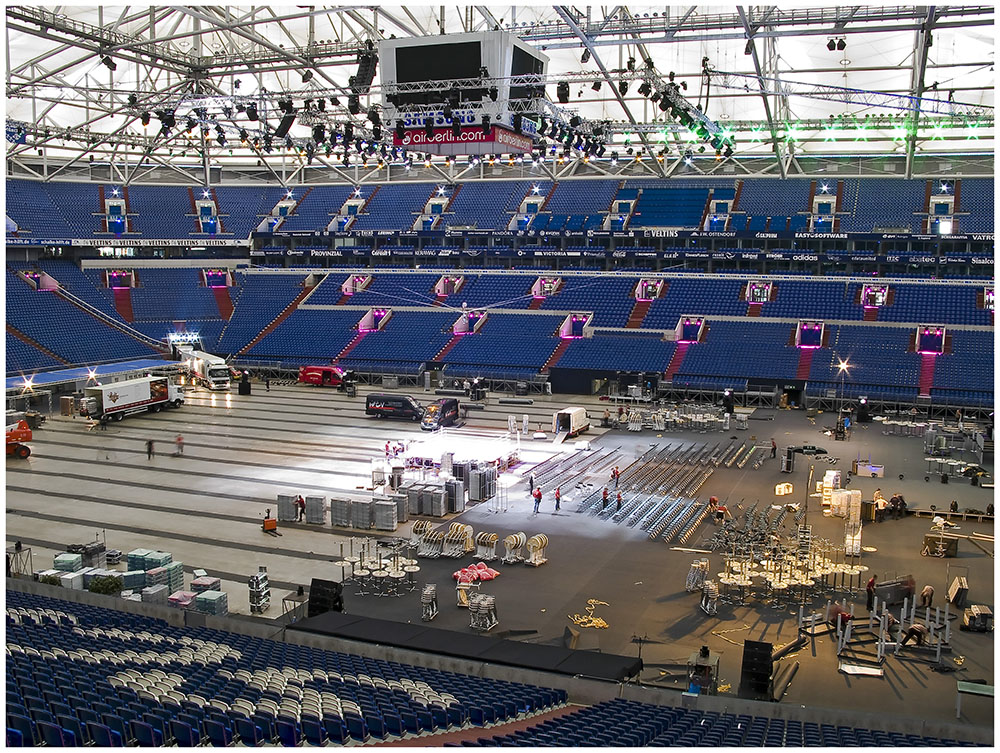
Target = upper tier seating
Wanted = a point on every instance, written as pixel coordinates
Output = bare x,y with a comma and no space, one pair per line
774,198
162,211
245,208
883,203
489,205
977,200
609,298
87,669
394,207
315,208
670,207
66,330
582,197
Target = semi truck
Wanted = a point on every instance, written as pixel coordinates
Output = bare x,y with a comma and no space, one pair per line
106,402
211,371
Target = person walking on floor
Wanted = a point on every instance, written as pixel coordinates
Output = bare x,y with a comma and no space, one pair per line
531,480
880,505
267,383
604,499
558,496
149,449
180,444
538,498
927,595
870,590
618,502
774,448
615,473
301,504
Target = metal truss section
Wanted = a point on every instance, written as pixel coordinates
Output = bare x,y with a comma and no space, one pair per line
782,87
779,22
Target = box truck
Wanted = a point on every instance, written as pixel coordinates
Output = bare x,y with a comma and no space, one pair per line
115,401
569,422
211,371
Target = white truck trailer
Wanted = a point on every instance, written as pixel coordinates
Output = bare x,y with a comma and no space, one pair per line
114,401
211,371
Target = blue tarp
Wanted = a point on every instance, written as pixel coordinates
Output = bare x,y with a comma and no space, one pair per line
45,378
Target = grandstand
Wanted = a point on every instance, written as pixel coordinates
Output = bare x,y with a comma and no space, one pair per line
640,257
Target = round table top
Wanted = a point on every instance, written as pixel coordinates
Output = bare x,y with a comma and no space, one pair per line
397,574
411,569
807,582
779,585
341,563
380,573
407,562
862,568
362,572
852,571
353,560
742,582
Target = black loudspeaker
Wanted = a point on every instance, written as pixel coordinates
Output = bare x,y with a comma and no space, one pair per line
324,596
755,676
244,387
282,130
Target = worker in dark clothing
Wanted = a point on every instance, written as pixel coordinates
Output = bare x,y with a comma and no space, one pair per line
918,632
774,448
149,449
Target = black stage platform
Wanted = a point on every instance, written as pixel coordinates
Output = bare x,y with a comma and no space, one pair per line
473,647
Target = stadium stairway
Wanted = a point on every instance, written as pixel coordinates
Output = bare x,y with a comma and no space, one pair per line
676,360
805,363
871,314
123,303
455,339
350,346
926,374
27,340
639,311
224,302
753,309
285,313
556,355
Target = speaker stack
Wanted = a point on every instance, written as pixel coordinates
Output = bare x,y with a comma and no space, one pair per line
755,676
324,596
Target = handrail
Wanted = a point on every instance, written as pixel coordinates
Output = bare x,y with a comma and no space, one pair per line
110,321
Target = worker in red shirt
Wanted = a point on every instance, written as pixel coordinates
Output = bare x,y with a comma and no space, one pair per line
537,494
604,498
618,503
558,496
870,590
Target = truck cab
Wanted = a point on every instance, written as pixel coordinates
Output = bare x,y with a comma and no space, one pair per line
443,412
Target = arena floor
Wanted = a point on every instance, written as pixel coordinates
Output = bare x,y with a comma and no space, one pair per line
240,451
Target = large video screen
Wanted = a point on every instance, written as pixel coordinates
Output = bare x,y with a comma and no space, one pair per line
437,62
522,63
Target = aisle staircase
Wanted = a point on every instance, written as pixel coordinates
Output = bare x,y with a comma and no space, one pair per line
805,362
556,355
926,374
753,309
224,302
349,347
871,314
639,311
676,361
445,350
123,303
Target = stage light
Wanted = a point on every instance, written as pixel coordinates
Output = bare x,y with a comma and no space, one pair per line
494,93
456,128
486,124
517,122
630,64
596,86
645,89
374,117
318,132
429,126
244,136
307,77
562,92
133,100
108,63
623,87
585,57
353,104
144,117
842,45
400,130
252,112
831,45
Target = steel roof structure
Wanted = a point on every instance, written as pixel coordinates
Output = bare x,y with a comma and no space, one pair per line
134,93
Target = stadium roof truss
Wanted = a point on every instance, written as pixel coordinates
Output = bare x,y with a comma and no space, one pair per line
165,93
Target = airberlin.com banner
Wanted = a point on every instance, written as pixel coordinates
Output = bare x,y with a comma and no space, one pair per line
504,139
